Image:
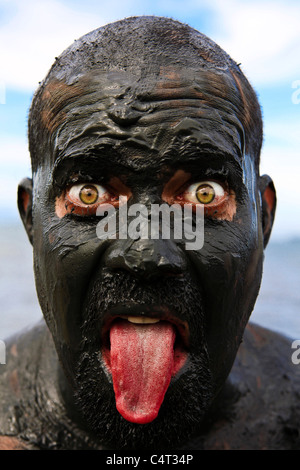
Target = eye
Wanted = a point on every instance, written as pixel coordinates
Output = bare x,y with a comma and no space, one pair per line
205,192
83,199
216,197
87,194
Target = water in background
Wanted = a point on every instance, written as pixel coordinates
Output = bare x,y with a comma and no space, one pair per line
277,307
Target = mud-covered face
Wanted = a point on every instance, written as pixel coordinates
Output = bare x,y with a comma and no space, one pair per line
145,325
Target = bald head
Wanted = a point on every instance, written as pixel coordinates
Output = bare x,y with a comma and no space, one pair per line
143,50
139,43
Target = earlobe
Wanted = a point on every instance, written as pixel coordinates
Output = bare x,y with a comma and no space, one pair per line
268,197
25,205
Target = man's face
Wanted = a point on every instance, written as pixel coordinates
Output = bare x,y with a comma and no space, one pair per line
149,141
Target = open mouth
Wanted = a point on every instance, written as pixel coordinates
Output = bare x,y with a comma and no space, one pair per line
142,354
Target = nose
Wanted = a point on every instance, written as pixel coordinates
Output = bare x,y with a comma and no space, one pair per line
144,258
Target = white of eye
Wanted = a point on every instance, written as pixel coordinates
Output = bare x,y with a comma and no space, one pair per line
87,193
216,192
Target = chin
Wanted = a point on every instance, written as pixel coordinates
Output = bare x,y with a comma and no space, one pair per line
175,306
180,416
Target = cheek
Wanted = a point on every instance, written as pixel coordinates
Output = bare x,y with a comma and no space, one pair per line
228,270
232,275
66,255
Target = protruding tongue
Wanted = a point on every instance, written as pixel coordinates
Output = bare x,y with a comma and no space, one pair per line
141,360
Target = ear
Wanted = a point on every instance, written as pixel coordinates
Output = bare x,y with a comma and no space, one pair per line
25,205
268,197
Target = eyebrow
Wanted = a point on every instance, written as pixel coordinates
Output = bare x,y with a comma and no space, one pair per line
191,153
187,131
99,162
103,162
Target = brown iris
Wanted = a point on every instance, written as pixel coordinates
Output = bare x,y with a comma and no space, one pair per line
88,194
205,193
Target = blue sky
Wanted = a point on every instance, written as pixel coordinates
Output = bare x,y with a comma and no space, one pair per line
264,36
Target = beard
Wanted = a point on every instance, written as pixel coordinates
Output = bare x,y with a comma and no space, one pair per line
189,394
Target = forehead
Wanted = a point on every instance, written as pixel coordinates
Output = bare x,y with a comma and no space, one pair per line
151,112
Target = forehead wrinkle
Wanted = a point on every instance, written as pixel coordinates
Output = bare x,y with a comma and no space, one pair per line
94,111
206,128
55,97
209,132
118,91
208,85
212,91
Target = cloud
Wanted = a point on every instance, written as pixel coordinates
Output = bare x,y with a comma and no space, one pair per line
263,35
34,33
285,131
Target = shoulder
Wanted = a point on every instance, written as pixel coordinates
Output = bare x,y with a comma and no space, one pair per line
265,364
265,383
17,379
266,357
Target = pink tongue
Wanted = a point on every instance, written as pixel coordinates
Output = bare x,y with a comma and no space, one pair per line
141,359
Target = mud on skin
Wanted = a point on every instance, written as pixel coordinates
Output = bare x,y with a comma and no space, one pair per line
144,108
